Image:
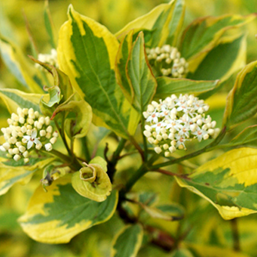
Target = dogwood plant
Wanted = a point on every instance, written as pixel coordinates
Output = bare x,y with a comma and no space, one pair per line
100,98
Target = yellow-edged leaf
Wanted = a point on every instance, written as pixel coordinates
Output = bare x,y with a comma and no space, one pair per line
228,182
60,213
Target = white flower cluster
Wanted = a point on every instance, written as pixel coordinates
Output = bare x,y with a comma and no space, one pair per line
176,120
167,61
48,58
27,131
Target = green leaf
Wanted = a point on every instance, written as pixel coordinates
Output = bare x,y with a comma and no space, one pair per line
146,198
228,182
100,161
61,213
182,253
164,23
168,86
61,90
248,135
10,175
121,68
49,24
229,54
169,212
92,182
213,251
14,98
19,66
128,241
76,126
141,78
241,103
203,33
87,53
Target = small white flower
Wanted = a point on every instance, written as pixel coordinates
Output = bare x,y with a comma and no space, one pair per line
53,140
32,139
16,157
2,149
48,147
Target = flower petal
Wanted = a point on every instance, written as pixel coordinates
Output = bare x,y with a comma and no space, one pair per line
30,144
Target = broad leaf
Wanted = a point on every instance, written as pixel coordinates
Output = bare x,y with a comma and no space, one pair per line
202,34
92,181
168,86
10,175
61,213
128,241
86,53
163,23
19,66
230,54
141,78
14,98
228,182
76,125
241,101
248,135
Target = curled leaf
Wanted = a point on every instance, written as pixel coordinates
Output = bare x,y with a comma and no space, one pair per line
92,182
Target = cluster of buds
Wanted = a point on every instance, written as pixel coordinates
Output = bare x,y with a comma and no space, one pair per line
166,61
48,58
175,120
27,131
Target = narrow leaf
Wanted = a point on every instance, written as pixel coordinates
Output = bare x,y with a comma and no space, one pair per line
140,75
49,24
19,66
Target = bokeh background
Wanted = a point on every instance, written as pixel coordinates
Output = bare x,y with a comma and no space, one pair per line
95,242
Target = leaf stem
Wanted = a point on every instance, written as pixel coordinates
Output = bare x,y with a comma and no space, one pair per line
62,134
137,146
133,179
235,235
144,138
73,164
117,152
170,173
111,164
85,148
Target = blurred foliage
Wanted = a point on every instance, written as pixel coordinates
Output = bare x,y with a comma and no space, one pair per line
212,232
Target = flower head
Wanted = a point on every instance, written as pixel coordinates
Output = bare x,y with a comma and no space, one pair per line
28,131
48,58
166,61
176,121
